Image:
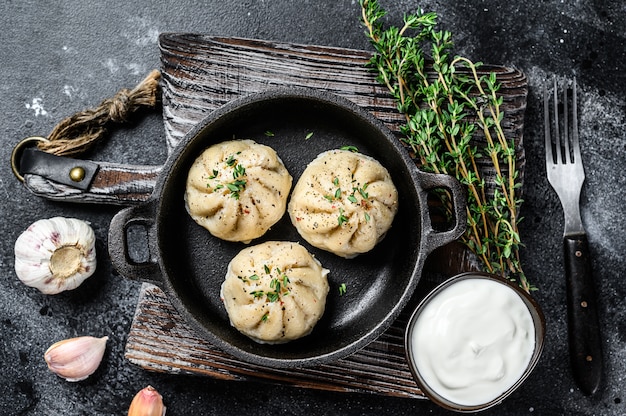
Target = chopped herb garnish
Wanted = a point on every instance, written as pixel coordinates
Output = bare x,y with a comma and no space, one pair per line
235,187
308,136
367,217
338,193
265,316
342,219
269,133
336,181
278,285
230,161
342,289
352,199
273,296
238,171
232,187
361,190
349,148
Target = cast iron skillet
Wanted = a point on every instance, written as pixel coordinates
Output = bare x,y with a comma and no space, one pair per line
190,264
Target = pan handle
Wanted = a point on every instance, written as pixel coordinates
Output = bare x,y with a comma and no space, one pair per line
432,237
118,244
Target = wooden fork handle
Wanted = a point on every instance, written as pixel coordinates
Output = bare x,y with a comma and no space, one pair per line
585,341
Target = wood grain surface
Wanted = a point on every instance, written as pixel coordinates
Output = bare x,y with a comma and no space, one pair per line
160,340
201,73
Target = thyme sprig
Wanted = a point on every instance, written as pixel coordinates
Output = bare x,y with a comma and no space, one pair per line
446,104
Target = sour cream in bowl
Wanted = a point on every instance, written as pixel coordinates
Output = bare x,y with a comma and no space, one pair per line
473,340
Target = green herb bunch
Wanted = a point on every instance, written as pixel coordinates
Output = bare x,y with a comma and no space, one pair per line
446,105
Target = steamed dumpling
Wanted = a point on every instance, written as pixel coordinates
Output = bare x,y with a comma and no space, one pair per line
237,190
344,203
275,292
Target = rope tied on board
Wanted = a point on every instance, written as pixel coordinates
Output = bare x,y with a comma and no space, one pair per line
79,132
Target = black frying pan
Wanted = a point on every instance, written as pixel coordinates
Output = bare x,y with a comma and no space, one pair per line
190,264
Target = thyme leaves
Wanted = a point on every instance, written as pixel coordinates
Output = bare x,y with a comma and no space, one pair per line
446,104
275,291
343,218
237,185
342,289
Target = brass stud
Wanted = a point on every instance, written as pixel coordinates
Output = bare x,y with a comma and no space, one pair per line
77,174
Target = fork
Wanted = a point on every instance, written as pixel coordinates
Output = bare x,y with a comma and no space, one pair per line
566,175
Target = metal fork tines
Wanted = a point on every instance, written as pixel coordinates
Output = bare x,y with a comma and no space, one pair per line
563,161
566,175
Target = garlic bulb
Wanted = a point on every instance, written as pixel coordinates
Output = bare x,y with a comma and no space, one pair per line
55,254
148,402
75,359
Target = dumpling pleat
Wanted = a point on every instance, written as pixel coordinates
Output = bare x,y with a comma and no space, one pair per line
275,292
237,190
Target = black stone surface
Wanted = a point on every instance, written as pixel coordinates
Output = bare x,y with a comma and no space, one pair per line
60,57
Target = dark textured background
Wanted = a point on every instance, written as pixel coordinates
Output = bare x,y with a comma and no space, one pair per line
59,57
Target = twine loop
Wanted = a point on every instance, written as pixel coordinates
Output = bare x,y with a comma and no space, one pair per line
79,132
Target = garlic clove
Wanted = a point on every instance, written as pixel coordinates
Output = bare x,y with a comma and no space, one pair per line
148,402
75,359
55,254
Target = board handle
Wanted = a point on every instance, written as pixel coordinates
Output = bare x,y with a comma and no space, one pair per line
62,178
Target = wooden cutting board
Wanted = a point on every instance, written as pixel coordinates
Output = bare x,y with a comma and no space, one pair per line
201,73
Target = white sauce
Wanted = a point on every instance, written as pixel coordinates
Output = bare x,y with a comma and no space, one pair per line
473,341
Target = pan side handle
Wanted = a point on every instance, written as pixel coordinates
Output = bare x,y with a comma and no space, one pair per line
142,216
434,238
